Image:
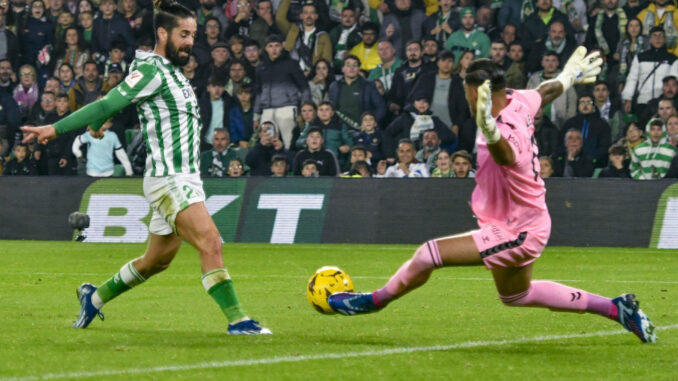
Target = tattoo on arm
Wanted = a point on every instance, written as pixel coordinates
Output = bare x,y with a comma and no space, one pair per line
549,91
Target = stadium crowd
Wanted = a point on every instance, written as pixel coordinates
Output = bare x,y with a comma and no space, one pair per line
353,88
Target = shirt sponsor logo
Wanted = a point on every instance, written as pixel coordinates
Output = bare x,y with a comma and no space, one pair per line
133,78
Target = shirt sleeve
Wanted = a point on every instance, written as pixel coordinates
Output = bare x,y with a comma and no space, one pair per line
143,82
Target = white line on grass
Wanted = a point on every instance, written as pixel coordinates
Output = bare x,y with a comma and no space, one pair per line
325,356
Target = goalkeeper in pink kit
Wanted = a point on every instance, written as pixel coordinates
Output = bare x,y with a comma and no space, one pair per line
509,202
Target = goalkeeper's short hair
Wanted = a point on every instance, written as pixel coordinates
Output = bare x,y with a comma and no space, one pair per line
483,69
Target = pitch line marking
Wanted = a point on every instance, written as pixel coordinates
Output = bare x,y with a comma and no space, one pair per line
325,356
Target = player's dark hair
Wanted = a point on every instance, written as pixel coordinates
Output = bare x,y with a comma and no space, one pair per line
483,69
167,14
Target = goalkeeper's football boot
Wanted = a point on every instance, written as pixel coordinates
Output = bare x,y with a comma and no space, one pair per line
352,303
87,309
248,327
634,319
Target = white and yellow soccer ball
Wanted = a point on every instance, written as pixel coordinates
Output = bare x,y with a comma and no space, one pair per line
325,282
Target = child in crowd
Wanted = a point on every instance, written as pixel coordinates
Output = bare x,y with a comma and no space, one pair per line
20,164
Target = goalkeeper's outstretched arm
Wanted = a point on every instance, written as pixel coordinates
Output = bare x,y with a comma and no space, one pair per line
94,114
579,69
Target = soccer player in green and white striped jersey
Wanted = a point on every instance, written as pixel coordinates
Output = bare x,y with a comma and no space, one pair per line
651,159
170,123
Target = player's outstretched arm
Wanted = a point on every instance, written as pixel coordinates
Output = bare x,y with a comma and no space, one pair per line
579,69
499,147
102,109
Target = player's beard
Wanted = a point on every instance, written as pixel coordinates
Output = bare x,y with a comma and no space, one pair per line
173,54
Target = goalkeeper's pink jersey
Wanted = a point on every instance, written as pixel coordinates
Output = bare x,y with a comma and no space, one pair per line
512,197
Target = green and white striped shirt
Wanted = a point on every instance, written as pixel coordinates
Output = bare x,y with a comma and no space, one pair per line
651,161
168,113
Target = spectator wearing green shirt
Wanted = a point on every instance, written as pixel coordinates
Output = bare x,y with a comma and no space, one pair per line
468,38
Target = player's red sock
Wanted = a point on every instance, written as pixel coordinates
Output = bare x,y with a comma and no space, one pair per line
410,275
559,297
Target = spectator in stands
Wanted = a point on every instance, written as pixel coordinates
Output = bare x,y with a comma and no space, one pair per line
260,155
407,165
468,38
594,130
515,74
412,124
88,87
651,159
101,145
244,95
215,162
430,49
74,53
607,29
632,138
369,137
86,23
10,119
309,168
509,34
430,147
565,106
546,134
669,91
326,161
236,168
242,21
319,80
345,36
633,42
402,25
7,76
573,162
359,153
389,64
535,29
21,164
109,27
197,79
366,50
633,7
295,9
221,56
545,167
308,114
218,110
279,166
615,166
661,14
26,92
442,23
335,134
209,10
359,169
462,165
498,51
280,87
116,56
443,164
66,77
647,72
252,54
608,110
672,130
665,110
556,41
237,78
264,25
444,89
139,19
406,77
40,111
512,12
211,35
35,33
354,95
309,45
10,49
463,64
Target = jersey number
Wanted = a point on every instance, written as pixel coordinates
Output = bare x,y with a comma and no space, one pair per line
188,191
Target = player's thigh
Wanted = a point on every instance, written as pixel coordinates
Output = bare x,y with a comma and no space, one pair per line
195,225
458,250
512,280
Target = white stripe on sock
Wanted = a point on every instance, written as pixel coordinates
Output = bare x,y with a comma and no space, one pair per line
96,300
129,274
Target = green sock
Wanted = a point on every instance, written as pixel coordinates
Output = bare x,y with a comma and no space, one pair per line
220,287
122,281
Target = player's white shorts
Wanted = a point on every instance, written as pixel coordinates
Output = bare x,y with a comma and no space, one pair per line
168,196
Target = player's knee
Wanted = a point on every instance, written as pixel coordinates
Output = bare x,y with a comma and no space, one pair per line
427,256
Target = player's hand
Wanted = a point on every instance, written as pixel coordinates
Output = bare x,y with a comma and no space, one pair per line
484,118
42,134
581,68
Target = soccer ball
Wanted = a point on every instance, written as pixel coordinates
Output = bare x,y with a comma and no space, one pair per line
325,282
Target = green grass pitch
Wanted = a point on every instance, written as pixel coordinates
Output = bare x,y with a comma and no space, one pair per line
452,328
